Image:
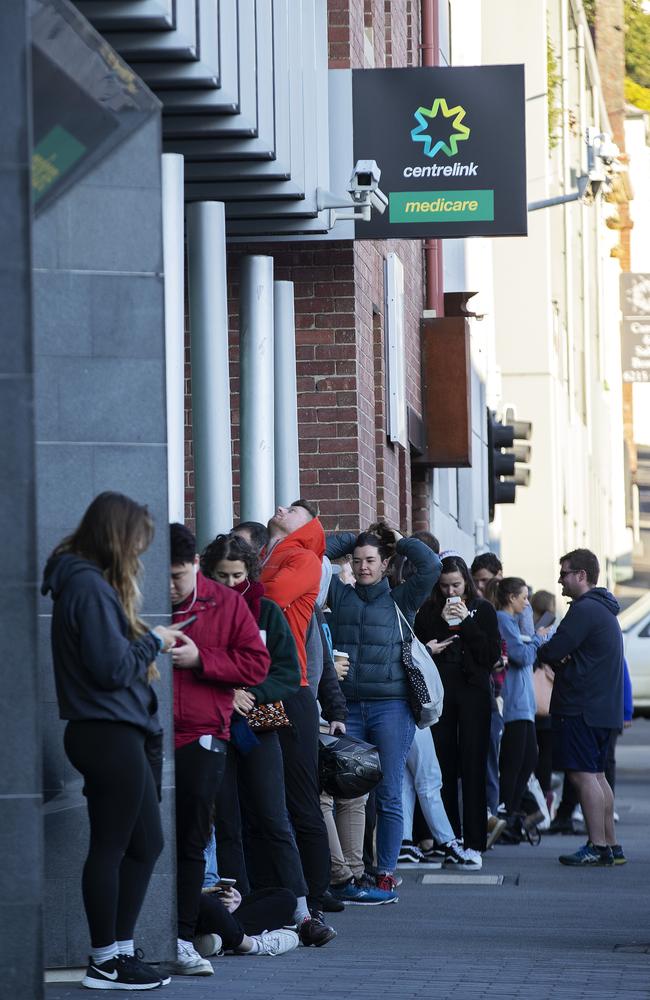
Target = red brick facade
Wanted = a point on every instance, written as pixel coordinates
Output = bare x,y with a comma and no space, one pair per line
347,464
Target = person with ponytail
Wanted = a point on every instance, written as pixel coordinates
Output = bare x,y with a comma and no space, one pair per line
104,664
518,756
253,790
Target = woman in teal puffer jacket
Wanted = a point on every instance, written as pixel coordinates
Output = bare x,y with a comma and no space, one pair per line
364,624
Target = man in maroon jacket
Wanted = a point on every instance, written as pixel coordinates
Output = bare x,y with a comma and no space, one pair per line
221,649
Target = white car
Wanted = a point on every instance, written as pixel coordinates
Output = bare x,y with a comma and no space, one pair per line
635,625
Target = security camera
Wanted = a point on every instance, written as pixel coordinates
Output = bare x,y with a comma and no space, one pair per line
364,178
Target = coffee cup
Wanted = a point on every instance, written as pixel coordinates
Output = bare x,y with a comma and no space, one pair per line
342,663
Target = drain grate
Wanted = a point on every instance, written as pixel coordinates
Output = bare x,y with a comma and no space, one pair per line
462,879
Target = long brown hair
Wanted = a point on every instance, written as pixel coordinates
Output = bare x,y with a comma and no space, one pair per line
113,533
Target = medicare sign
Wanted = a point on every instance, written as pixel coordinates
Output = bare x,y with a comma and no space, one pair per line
450,144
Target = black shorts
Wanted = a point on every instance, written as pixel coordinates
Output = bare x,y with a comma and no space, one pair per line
577,746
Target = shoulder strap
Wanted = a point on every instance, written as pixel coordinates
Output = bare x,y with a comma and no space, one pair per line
402,617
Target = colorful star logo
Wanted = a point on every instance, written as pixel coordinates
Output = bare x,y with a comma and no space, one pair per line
460,132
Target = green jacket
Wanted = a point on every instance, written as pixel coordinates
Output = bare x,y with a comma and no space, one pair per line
283,677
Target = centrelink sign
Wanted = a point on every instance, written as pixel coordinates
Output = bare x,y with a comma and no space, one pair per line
450,144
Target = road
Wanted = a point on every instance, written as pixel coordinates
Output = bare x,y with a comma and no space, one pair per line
547,932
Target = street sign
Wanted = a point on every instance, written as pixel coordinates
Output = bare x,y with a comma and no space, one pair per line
450,144
635,328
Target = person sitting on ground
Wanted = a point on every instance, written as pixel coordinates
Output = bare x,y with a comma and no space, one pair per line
228,922
220,649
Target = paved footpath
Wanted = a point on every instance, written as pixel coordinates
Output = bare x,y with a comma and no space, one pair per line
545,933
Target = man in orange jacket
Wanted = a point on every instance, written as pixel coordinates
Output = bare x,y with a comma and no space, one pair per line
291,574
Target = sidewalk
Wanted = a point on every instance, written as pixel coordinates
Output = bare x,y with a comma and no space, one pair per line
546,933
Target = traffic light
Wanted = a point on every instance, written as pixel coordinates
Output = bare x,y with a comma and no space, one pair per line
501,463
508,458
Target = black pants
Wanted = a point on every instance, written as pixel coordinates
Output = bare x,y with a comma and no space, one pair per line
517,762
255,842
462,739
198,776
300,755
260,911
544,766
125,831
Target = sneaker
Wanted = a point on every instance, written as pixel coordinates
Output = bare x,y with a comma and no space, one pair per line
276,942
409,853
616,817
314,931
189,962
454,853
386,882
495,826
588,855
136,960
331,904
366,881
473,859
436,852
619,856
120,973
208,945
357,895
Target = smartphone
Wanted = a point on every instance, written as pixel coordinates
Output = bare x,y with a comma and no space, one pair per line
454,600
547,619
226,883
182,625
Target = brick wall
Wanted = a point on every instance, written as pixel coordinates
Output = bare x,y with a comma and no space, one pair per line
347,464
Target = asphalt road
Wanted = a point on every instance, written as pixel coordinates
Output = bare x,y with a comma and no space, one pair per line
545,932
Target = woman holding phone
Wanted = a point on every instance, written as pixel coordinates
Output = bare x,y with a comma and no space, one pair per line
104,667
462,633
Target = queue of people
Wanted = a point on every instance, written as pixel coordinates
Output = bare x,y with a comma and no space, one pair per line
279,634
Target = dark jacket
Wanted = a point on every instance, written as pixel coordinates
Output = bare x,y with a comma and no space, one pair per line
330,697
232,655
283,677
477,647
363,620
590,681
100,673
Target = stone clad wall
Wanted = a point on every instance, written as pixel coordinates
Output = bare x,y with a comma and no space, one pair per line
100,424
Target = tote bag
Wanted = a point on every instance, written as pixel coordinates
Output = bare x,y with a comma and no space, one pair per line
426,692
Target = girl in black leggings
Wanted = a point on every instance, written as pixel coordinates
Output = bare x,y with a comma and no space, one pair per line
103,663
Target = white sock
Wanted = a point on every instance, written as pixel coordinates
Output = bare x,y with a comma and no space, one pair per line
125,947
101,955
301,912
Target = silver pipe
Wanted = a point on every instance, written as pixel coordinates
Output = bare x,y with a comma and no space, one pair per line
206,248
174,265
256,389
287,463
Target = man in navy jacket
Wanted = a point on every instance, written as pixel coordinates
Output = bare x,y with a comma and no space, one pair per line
587,703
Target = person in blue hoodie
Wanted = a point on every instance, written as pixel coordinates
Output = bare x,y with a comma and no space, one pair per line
518,756
586,654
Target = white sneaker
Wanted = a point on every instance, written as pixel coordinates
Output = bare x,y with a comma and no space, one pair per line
189,962
473,859
455,853
276,942
208,945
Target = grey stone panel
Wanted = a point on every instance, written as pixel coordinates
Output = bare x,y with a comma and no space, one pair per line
131,165
20,950
47,686
55,951
56,767
16,501
66,833
20,773
20,849
84,314
101,399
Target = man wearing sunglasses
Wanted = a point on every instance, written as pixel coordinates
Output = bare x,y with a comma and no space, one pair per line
586,653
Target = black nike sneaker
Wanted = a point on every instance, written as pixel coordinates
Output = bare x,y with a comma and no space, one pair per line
121,973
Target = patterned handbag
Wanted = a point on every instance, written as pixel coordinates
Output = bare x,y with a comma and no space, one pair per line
266,718
426,692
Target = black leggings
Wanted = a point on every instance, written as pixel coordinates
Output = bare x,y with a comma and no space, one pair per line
517,761
260,911
125,831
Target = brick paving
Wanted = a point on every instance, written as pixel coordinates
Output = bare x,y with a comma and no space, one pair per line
545,933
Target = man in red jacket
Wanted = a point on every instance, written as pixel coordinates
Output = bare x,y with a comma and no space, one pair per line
291,574
221,649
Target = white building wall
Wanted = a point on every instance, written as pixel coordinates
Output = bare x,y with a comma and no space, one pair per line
637,137
556,299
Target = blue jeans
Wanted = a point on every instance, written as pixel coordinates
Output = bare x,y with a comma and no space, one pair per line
389,726
211,876
423,779
492,777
